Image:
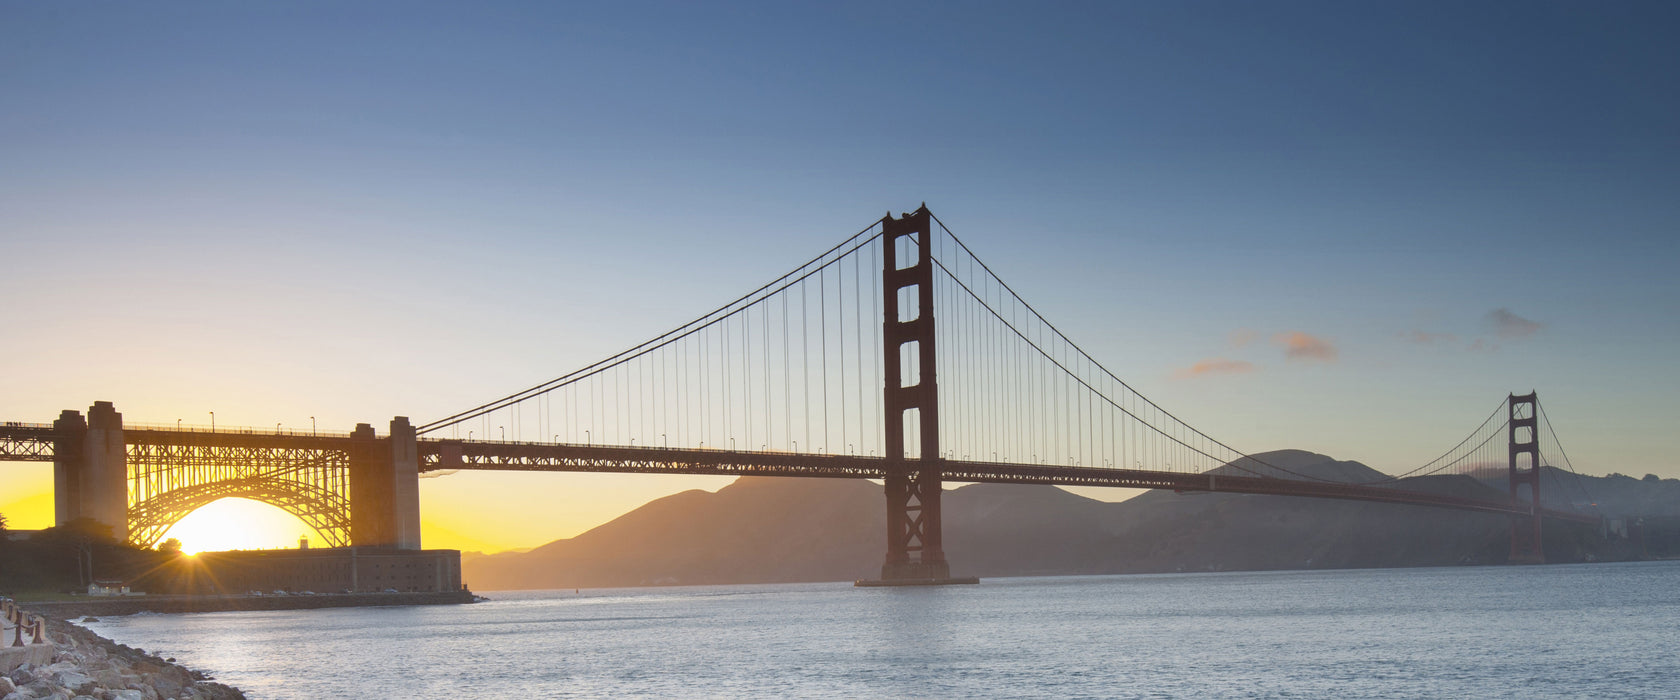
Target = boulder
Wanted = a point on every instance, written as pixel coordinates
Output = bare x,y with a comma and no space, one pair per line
111,678
166,686
127,694
73,681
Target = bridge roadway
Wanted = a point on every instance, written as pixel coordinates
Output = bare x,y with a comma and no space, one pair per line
34,442
548,457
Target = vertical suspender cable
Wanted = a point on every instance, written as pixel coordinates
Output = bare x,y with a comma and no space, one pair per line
822,300
840,333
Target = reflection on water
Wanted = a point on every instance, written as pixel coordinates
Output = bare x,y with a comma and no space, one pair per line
1518,632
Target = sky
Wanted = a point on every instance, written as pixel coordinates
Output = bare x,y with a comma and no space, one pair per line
1351,228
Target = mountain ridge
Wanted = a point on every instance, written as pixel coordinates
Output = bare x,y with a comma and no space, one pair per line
779,529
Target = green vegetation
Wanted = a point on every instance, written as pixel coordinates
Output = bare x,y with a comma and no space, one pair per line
64,559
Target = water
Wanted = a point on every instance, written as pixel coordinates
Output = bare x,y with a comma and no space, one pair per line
1606,630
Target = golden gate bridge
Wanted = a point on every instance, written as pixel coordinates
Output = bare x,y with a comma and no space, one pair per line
896,355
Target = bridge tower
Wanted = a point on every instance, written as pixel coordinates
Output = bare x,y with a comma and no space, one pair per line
1525,442
915,546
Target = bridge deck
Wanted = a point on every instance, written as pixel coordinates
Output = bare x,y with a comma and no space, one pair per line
517,456
33,442
26,442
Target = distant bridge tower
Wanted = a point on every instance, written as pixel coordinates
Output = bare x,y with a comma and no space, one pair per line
1525,442
915,546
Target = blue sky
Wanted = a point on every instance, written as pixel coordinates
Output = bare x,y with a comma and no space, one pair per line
277,211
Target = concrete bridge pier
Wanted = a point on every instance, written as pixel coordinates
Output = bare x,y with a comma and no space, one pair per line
90,468
385,487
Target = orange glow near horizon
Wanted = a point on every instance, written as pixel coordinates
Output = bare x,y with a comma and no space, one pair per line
470,511
26,497
238,523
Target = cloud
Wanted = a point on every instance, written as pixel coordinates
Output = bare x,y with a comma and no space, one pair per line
1510,325
1300,346
1427,338
1216,365
1241,337
1482,345
437,473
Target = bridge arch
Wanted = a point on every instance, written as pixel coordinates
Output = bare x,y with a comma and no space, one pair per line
170,479
322,509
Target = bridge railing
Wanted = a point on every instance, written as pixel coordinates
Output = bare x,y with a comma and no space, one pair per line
236,430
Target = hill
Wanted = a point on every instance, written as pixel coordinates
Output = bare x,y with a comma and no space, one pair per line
765,529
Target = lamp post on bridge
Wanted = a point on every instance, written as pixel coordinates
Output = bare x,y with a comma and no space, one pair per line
312,426
212,421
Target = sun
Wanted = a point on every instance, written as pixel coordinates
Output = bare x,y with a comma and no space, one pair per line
239,523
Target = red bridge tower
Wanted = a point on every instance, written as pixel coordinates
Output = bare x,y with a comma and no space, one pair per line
1525,441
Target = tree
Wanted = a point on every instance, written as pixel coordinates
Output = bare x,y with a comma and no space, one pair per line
88,529
170,546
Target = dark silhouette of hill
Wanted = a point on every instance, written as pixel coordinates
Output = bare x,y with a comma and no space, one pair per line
757,529
765,529
1614,496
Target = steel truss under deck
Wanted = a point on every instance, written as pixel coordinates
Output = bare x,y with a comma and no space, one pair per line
171,474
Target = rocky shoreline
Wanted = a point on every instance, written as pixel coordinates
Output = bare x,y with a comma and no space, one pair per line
86,666
129,605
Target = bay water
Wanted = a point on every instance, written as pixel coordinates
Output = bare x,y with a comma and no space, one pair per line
1568,631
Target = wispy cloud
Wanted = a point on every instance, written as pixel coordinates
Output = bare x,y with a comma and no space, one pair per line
1510,325
1301,346
1216,365
1482,345
1242,337
1427,338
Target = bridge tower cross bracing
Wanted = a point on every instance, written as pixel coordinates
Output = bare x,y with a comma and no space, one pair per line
1525,442
915,545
